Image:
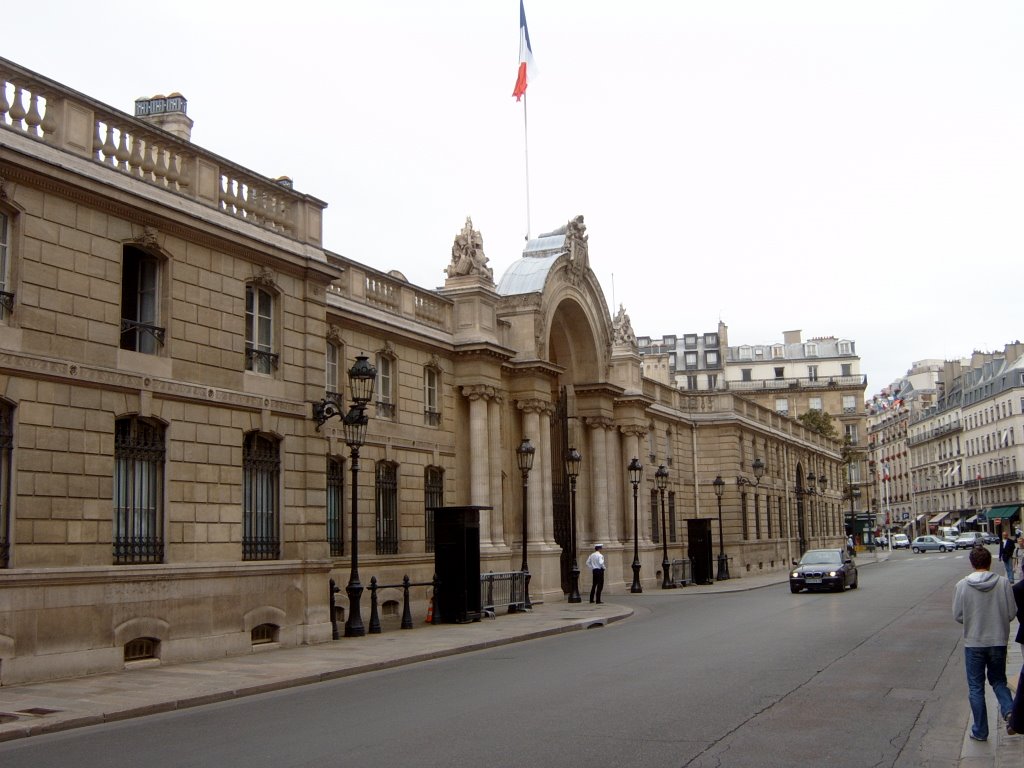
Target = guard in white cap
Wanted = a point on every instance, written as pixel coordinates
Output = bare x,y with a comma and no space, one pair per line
596,565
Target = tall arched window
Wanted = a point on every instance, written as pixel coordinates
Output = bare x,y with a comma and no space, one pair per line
260,356
141,329
6,248
261,468
138,491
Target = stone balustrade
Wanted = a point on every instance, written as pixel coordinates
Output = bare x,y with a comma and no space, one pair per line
46,111
391,294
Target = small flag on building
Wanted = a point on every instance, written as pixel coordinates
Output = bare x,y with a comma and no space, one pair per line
527,69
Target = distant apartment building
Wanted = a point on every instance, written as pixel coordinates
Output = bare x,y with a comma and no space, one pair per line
790,377
960,461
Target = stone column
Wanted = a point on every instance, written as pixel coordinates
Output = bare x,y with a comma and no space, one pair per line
632,437
599,485
497,497
479,451
548,509
616,472
535,501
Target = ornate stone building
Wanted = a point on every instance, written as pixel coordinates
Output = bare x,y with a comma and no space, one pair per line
168,320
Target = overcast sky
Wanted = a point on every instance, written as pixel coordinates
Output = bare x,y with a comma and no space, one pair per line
845,168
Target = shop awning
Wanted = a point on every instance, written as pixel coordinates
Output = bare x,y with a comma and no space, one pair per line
970,520
938,518
1003,513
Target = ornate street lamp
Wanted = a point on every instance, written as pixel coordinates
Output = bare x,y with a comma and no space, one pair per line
636,471
524,458
361,377
661,482
723,561
572,469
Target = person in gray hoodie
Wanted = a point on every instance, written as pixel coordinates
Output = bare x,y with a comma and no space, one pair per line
983,602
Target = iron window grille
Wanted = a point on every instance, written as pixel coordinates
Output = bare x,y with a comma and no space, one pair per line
672,532
6,451
387,508
655,511
141,648
433,496
138,491
261,467
335,502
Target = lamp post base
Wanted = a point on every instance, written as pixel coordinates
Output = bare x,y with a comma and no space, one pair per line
723,568
354,623
574,585
666,570
635,588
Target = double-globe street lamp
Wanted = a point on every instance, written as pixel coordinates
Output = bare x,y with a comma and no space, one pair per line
815,486
661,482
573,459
361,378
524,458
723,561
636,471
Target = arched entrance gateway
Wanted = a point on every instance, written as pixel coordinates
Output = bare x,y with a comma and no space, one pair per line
538,356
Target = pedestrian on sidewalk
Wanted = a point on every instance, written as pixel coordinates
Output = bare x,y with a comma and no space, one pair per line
1015,724
596,565
1006,550
984,603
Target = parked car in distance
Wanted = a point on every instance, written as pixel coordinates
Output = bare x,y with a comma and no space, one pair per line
823,569
990,538
968,539
900,541
930,544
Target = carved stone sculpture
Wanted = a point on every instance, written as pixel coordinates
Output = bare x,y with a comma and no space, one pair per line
622,328
468,254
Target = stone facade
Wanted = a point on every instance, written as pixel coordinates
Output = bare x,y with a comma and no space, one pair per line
170,318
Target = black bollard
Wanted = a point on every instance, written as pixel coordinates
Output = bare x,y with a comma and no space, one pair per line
374,612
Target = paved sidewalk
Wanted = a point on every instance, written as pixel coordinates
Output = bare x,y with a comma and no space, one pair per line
27,710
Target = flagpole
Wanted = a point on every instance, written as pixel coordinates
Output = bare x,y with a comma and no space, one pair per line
526,147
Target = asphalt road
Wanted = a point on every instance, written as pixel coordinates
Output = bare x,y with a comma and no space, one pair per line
870,677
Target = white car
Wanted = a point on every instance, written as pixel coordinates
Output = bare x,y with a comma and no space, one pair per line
900,541
969,539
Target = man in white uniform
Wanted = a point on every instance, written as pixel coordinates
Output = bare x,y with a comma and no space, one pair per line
596,565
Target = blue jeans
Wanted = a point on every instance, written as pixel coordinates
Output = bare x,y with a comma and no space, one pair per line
979,661
1008,564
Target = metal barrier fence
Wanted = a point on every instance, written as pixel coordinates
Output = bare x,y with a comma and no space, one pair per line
502,590
682,572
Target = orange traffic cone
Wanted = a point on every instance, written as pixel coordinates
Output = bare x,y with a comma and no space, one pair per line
430,611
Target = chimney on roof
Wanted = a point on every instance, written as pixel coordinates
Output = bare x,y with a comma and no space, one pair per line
791,337
166,112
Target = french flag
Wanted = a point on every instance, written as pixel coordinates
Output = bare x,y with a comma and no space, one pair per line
527,69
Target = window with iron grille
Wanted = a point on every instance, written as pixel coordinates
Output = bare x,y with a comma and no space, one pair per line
757,517
433,493
672,534
743,515
138,491
259,330
141,648
140,301
655,533
6,297
387,508
263,633
261,468
431,396
335,505
6,450
385,386
333,368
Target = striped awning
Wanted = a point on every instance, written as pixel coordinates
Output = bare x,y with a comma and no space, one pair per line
938,518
